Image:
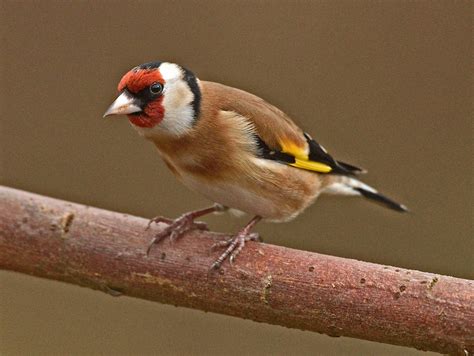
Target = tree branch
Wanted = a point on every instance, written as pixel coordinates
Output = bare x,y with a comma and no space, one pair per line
105,250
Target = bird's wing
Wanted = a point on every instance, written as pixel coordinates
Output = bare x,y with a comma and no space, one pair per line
278,137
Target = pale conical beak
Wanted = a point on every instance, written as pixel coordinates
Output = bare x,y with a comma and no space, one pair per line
124,104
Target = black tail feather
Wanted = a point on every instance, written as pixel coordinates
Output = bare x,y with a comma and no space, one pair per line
379,198
352,169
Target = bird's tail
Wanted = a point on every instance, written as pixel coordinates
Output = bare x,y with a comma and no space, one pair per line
350,186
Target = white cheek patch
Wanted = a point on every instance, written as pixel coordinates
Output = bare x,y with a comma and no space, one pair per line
177,95
179,113
177,102
170,71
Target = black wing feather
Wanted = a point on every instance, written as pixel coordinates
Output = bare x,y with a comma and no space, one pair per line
318,153
353,169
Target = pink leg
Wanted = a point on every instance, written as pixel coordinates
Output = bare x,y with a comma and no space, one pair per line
236,243
178,227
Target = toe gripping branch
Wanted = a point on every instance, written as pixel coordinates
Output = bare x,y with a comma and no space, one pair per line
178,227
185,223
236,243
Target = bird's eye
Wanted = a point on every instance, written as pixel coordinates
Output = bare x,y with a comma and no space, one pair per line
156,88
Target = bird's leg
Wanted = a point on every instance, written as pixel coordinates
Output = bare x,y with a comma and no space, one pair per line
178,227
236,243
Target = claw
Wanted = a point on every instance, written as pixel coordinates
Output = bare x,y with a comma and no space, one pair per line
157,220
234,246
254,236
200,225
177,228
223,243
148,225
173,236
152,242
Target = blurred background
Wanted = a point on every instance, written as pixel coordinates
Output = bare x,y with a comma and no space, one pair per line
384,85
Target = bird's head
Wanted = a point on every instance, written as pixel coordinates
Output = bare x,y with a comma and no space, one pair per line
158,96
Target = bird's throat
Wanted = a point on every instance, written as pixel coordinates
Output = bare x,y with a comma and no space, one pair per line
151,116
144,121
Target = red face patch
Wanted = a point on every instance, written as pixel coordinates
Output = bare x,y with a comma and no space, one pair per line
135,82
151,116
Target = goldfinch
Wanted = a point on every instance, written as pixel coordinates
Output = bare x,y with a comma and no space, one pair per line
234,148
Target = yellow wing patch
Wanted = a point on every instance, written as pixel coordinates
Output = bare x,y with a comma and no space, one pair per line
301,158
311,166
293,149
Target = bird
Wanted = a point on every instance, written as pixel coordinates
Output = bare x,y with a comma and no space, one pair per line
239,151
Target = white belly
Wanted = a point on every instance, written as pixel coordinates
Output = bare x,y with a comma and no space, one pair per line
232,196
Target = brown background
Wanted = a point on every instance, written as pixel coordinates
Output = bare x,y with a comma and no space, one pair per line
385,85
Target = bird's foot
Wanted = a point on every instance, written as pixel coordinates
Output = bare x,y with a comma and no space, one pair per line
176,228
234,245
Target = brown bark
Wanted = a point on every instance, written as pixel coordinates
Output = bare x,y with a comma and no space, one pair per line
105,250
